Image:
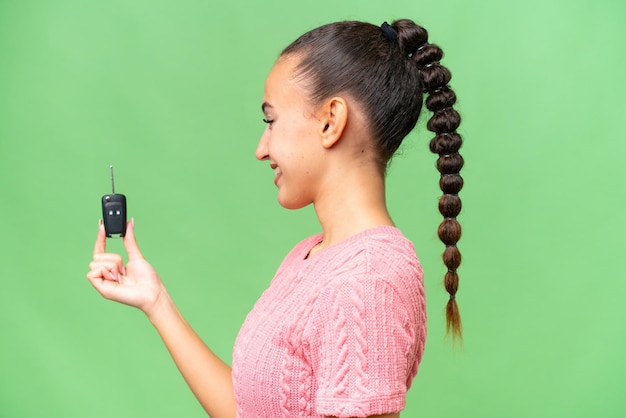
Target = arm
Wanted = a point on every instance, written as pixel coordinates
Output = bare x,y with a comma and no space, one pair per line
138,285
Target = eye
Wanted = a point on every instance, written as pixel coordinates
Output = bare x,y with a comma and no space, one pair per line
269,121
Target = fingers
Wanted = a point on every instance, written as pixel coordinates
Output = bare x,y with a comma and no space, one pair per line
106,287
107,266
132,249
101,240
103,273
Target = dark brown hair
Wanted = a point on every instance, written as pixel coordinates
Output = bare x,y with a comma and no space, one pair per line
389,75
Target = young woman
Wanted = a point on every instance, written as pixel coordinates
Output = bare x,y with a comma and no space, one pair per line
340,331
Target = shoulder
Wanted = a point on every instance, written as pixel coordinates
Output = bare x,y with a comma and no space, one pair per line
371,315
387,251
372,264
381,253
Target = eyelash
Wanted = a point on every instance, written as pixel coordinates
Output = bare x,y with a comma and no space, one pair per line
268,121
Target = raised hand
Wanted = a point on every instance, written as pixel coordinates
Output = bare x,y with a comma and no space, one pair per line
137,284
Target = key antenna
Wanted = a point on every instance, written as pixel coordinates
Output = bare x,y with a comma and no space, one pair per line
112,181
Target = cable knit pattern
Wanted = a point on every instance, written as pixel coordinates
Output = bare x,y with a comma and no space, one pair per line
340,333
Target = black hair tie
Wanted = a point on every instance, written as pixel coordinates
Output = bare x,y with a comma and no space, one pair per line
390,33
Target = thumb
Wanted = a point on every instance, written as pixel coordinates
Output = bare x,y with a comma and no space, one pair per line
101,241
130,243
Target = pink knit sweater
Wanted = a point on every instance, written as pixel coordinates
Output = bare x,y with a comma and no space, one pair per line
340,333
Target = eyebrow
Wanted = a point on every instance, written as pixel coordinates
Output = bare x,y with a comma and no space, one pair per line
265,105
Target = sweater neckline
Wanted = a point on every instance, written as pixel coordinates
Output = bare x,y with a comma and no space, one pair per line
318,238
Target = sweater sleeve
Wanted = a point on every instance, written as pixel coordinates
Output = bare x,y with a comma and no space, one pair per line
363,346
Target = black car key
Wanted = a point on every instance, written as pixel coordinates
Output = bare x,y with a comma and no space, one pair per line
114,211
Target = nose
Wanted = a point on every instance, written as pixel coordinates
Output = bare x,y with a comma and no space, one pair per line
262,150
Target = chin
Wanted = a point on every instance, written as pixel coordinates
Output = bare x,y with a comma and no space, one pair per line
293,203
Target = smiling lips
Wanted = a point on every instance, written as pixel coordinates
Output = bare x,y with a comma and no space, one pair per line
277,172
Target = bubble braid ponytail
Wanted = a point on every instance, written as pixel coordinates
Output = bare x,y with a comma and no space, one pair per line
413,40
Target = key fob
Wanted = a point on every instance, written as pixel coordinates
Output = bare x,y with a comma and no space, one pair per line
114,214
114,211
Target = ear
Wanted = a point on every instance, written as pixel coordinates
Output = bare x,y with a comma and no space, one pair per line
334,118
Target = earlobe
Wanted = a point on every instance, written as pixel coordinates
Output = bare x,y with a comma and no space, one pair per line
335,119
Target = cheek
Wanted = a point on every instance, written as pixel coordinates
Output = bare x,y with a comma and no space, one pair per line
284,144
293,144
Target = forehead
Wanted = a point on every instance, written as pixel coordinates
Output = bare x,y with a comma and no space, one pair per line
283,68
281,83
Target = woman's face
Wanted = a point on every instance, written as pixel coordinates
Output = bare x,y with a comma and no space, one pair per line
291,141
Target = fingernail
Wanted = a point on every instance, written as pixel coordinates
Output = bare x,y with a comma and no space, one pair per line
100,222
119,278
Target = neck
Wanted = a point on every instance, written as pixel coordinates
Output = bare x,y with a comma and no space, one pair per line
353,205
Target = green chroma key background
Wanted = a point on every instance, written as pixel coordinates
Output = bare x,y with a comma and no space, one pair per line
170,94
